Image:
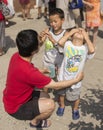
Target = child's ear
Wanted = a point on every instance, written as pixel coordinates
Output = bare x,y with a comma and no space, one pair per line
63,19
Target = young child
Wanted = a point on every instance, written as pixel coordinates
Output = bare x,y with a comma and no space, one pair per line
93,18
75,55
53,55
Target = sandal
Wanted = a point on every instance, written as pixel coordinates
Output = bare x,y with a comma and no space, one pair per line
42,124
2,53
60,111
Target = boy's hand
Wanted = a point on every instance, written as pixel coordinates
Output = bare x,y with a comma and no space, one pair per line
50,38
85,34
74,30
45,70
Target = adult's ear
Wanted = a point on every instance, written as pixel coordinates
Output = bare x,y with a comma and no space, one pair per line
34,52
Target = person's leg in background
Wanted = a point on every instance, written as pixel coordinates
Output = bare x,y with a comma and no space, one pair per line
28,7
51,5
77,17
45,8
39,7
23,11
2,37
95,32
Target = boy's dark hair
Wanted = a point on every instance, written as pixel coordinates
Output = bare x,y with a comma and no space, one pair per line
57,11
27,42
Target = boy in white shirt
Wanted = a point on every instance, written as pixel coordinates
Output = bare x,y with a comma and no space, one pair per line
75,56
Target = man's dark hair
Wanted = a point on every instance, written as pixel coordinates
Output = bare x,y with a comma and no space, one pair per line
27,42
57,11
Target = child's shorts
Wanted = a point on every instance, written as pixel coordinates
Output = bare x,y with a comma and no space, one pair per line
73,94
61,92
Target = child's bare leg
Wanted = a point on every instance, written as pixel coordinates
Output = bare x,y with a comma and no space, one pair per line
60,110
88,30
61,101
45,12
23,11
76,104
39,12
75,112
28,7
95,32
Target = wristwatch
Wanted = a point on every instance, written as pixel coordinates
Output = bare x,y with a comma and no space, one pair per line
56,44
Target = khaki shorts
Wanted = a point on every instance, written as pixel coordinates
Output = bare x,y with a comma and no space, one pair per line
73,94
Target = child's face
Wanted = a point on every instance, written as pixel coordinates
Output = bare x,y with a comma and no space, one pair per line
56,22
78,36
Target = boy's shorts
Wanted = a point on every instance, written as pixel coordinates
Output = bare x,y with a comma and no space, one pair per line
29,110
73,94
61,92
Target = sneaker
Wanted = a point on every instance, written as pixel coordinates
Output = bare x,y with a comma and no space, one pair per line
75,115
60,111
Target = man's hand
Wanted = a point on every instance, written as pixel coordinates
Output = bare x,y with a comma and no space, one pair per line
80,76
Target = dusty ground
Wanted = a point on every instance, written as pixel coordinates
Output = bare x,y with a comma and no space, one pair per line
91,106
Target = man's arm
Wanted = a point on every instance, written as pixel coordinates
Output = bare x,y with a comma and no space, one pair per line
64,84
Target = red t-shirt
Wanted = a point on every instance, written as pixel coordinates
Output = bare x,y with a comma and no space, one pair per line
22,78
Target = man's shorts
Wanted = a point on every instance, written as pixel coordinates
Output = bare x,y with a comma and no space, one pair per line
73,94
29,110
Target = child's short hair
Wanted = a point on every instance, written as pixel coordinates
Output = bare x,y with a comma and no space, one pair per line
27,42
57,11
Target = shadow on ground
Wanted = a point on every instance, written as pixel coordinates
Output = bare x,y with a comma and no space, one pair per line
100,33
9,43
92,107
11,23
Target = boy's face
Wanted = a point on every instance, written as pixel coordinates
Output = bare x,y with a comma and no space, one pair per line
78,36
56,22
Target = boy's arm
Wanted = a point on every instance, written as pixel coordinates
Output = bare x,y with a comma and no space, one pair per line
62,41
91,48
44,70
43,36
64,84
67,35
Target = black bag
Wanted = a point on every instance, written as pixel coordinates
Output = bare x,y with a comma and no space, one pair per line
75,4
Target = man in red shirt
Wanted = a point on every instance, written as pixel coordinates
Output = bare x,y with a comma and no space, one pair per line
20,98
